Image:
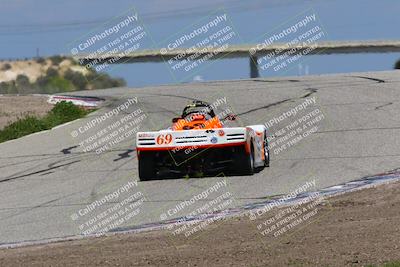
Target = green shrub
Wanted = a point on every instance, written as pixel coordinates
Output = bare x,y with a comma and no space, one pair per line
3,88
64,112
53,83
58,84
22,127
23,84
389,264
8,88
103,80
41,82
6,66
56,60
51,72
392,264
61,113
77,79
40,60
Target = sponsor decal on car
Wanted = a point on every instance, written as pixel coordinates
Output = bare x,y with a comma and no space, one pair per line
146,135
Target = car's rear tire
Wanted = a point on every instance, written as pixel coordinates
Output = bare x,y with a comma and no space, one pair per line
267,153
147,169
248,162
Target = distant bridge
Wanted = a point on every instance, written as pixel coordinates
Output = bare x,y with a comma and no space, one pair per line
250,51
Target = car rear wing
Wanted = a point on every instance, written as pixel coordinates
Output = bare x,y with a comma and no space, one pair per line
170,140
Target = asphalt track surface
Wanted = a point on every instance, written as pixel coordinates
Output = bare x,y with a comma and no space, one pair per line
46,177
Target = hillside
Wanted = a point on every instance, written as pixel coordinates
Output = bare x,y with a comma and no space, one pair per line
51,75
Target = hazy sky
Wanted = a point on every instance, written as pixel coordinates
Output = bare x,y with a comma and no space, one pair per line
51,25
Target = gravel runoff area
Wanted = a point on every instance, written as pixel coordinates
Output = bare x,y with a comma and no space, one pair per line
355,229
14,107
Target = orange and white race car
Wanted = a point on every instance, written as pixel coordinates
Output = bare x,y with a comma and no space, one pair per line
198,144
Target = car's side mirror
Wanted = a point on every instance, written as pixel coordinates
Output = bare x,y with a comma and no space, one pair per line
175,120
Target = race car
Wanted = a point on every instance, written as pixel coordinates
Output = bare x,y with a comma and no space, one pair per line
198,144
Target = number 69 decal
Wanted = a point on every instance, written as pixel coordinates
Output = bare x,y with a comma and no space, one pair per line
164,139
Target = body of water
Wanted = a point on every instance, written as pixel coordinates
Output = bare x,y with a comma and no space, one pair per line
45,27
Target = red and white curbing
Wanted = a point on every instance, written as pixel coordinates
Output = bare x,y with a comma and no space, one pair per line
86,102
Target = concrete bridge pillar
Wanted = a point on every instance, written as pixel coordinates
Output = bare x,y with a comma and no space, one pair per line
254,73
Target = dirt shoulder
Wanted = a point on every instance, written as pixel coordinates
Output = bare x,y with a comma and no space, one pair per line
13,107
355,229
